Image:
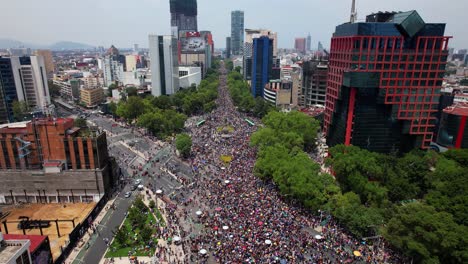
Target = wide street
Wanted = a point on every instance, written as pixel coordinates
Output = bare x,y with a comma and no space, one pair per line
154,163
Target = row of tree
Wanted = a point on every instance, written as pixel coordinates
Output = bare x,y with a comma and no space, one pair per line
242,97
418,202
166,115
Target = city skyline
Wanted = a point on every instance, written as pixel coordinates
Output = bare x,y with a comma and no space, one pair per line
43,23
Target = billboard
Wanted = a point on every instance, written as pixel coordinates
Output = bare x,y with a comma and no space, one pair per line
193,45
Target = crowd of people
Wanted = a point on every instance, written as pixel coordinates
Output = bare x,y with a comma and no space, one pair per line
242,219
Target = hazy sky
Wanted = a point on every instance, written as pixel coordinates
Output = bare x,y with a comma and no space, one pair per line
124,22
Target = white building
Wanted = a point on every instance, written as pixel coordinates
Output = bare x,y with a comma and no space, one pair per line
189,76
113,70
131,62
31,81
164,65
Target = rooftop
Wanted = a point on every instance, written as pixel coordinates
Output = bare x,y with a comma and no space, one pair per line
460,109
36,240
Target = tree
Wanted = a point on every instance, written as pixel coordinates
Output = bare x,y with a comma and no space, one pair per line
121,236
152,204
131,91
54,90
80,122
112,107
426,235
111,87
131,109
184,144
238,69
146,234
162,102
20,110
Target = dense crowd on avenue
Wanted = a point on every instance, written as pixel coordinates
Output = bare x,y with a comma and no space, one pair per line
239,218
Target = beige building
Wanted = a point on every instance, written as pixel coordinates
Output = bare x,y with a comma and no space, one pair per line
250,34
92,97
91,82
48,60
131,62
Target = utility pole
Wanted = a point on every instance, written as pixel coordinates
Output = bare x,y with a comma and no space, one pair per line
353,16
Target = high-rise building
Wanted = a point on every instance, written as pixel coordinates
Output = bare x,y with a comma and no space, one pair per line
48,60
237,32
300,45
250,34
228,47
314,82
23,79
384,82
164,65
320,47
309,43
184,15
262,64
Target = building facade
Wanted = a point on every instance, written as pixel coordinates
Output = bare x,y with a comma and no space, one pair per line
189,76
184,14
164,65
48,60
50,160
262,64
300,45
237,32
453,126
314,82
309,43
228,47
14,251
92,97
23,79
384,82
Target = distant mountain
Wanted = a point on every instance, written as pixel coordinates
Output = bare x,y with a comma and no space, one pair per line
62,45
68,45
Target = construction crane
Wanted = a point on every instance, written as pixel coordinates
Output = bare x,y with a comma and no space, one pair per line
353,17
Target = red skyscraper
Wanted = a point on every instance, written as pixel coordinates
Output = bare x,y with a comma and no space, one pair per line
300,45
384,81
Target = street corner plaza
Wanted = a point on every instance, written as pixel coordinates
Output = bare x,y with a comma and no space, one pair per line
48,213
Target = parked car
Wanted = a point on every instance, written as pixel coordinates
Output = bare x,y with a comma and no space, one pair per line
128,194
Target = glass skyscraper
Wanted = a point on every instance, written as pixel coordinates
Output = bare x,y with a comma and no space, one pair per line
237,32
184,14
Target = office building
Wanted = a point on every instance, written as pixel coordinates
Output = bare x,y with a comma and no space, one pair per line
69,90
184,15
237,32
91,97
300,45
309,43
48,61
196,50
262,64
228,47
314,82
384,82
23,79
113,70
50,160
453,126
164,64
189,76
250,34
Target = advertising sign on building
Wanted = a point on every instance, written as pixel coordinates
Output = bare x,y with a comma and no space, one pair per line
192,34
193,45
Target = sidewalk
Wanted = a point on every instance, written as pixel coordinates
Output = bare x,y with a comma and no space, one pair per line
79,251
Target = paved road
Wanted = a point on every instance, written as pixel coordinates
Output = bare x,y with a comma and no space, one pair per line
161,162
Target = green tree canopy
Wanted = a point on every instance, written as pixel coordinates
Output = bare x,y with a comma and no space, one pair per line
427,235
20,110
80,122
184,144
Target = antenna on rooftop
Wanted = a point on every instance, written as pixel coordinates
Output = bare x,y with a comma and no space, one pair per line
353,17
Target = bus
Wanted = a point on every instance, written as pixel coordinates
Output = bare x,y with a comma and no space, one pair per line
250,122
201,122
